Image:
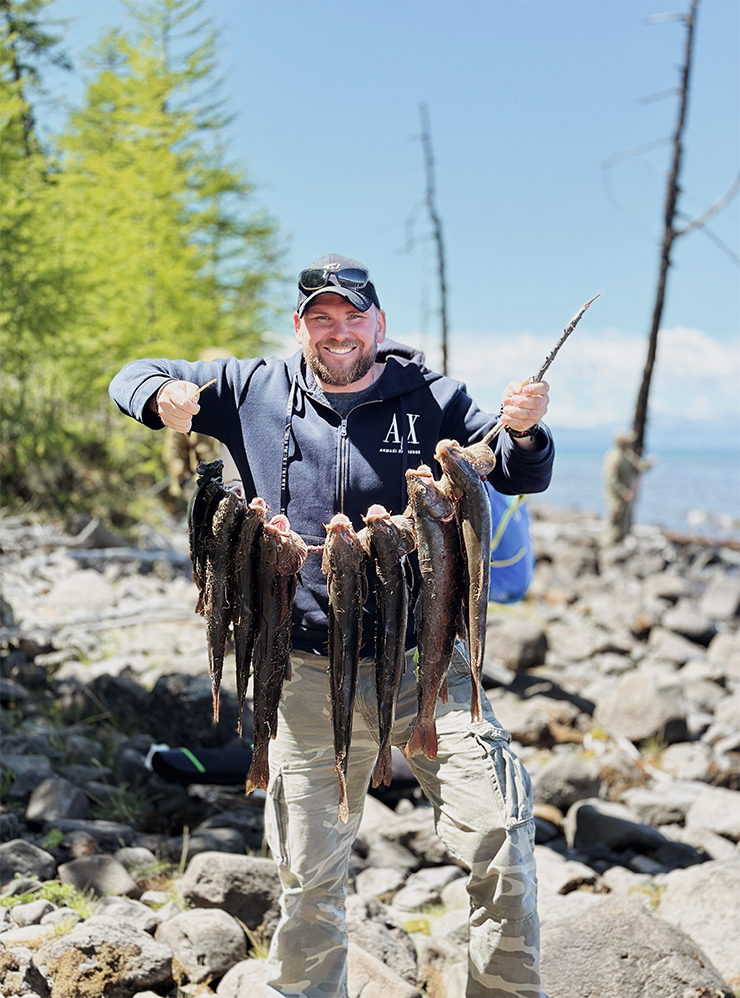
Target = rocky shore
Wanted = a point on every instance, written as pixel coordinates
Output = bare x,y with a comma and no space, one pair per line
618,677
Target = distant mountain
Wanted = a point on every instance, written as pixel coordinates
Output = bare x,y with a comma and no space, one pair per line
663,433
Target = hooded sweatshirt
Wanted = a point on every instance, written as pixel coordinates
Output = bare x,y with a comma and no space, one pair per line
298,454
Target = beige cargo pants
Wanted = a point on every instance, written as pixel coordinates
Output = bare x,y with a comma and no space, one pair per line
482,803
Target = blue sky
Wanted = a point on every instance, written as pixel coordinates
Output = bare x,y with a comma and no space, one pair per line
528,99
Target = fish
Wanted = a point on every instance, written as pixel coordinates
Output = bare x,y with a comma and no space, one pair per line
343,563
438,607
281,556
245,603
463,468
387,540
201,507
217,594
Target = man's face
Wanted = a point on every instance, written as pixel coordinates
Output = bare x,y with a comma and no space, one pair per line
339,342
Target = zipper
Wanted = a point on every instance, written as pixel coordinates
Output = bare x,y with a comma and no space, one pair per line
342,460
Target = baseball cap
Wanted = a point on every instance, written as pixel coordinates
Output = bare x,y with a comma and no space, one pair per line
337,275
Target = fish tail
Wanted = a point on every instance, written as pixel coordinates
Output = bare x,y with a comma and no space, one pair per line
343,809
423,739
216,701
240,718
259,771
475,712
383,772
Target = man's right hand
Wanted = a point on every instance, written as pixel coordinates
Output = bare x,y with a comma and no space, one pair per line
176,405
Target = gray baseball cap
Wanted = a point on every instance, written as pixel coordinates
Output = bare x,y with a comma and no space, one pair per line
337,275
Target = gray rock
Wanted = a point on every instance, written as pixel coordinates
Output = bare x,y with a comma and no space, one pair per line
101,951
56,798
246,978
594,822
30,913
717,809
564,780
415,831
721,599
128,910
368,977
728,711
443,967
643,707
62,916
453,926
671,647
413,897
380,881
205,943
371,927
724,653
687,621
10,827
621,951
525,720
687,760
110,835
134,857
705,903
19,976
662,803
25,859
246,887
100,874
558,875
519,644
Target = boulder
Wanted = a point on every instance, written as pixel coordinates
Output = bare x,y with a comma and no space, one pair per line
25,859
205,943
564,780
56,798
704,902
104,957
717,809
369,977
622,951
642,707
443,967
246,887
371,927
100,874
519,644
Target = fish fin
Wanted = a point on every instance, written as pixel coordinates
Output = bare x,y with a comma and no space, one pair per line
423,739
443,691
259,771
343,809
383,772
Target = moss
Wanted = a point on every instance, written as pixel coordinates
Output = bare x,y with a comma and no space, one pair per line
74,975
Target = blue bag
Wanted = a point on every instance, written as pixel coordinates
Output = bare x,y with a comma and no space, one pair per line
512,558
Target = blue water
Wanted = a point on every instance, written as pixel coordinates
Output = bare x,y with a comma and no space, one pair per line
691,490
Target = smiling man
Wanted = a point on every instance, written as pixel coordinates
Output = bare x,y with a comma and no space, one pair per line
334,429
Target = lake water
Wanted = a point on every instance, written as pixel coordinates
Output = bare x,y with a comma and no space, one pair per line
691,491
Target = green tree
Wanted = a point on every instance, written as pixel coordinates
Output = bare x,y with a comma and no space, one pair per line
35,279
162,250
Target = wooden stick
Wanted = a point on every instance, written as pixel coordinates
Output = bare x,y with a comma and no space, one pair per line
206,385
492,434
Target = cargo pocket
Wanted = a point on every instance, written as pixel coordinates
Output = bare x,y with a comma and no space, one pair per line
510,781
276,822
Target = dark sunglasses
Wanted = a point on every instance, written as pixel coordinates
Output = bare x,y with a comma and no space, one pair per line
353,278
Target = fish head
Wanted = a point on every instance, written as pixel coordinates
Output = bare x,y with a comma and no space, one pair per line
463,463
288,548
340,536
427,497
258,507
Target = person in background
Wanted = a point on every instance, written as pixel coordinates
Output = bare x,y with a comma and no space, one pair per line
622,468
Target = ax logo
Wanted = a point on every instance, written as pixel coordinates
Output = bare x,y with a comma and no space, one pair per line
393,440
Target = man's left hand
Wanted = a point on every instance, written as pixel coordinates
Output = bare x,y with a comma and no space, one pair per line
524,404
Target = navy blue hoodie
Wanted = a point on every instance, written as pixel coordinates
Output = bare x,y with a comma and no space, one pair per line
304,459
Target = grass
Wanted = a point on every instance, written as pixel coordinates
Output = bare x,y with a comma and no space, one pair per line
126,804
63,895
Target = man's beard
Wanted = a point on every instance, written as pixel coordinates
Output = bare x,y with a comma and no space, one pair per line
341,377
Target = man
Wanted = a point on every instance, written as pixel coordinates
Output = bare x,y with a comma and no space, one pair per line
622,469
334,429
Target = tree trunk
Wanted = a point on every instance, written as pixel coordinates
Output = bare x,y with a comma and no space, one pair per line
436,225
669,236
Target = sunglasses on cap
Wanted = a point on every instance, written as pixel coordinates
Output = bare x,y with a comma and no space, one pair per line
352,278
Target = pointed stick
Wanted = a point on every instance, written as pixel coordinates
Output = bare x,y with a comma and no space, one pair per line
214,380
492,434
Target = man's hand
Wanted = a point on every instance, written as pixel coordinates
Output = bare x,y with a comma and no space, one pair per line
524,404
175,405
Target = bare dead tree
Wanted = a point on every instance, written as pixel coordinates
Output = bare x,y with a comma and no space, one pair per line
429,200
671,232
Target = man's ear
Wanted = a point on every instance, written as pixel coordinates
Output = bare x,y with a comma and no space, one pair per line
381,325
